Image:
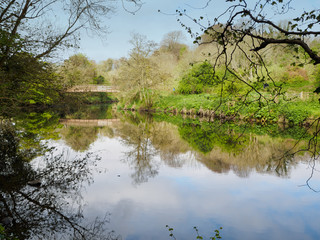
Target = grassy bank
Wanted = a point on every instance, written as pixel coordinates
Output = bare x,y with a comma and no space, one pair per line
295,111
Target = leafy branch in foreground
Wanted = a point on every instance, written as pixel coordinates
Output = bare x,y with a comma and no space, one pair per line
246,39
244,36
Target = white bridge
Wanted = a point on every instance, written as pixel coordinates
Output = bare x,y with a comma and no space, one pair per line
92,88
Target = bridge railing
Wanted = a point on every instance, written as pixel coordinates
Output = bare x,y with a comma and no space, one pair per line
93,88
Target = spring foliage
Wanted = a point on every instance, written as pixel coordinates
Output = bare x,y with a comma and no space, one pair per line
198,79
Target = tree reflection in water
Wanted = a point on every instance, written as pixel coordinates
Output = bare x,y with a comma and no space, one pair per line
79,138
242,148
140,154
219,146
222,147
52,210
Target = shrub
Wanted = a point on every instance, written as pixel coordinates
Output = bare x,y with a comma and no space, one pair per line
295,113
198,78
98,80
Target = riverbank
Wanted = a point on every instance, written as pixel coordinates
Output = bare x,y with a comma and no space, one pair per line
294,112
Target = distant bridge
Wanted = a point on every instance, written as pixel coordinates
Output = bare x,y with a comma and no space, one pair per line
93,88
89,122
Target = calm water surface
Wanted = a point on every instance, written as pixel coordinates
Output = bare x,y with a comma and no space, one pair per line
145,173
259,206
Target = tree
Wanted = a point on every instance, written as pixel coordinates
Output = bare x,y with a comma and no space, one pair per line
172,42
139,75
107,65
78,70
42,27
27,80
34,30
246,30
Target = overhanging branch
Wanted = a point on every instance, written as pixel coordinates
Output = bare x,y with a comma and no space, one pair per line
268,41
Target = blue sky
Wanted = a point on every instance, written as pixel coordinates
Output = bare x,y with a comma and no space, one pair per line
148,21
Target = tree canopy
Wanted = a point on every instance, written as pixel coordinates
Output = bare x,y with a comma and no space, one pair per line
31,31
139,75
41,27
246,30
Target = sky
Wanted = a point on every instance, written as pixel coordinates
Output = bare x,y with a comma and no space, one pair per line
149,22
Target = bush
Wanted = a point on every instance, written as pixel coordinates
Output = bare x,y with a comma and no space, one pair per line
295,113
198,78
98,80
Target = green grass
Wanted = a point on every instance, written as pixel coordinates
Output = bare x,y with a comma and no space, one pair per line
195,101
294,111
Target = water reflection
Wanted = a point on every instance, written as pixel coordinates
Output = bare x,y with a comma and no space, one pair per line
137,137
79,138
260,153
158,170
221,147
32,128
44,201
101,111
243,148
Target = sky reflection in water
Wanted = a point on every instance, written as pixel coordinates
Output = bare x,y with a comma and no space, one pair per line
260,206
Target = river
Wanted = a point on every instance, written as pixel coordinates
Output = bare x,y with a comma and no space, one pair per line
111,175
